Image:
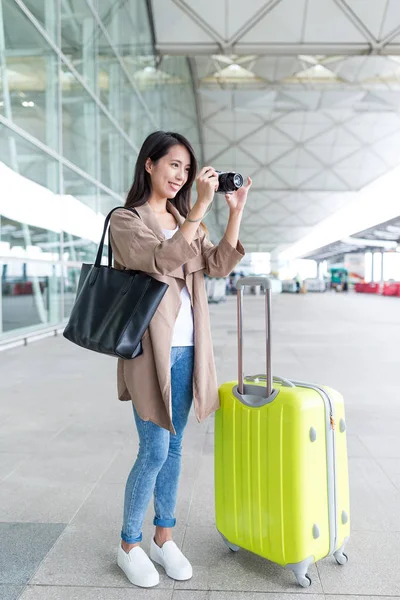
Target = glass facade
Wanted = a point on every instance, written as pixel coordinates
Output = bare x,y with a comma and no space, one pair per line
80,88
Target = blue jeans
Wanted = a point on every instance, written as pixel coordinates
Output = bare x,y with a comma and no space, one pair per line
158,464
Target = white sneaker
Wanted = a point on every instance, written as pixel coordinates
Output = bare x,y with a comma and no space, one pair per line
138,567
176,565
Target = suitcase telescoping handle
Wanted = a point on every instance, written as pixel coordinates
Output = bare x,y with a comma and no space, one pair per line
266,284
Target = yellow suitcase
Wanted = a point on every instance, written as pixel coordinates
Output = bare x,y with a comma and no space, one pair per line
281,473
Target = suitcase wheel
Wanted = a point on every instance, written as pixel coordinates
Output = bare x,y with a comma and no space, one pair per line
341,558
232,547
303,580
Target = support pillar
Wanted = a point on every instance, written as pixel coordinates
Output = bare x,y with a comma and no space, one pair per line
372,267
90,109
115,100
52,116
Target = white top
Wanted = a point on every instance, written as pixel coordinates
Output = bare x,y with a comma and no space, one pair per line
183,334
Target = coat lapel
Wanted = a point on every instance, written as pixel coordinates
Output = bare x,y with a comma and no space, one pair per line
150,220
196,263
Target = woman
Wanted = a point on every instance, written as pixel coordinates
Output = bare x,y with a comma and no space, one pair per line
163,236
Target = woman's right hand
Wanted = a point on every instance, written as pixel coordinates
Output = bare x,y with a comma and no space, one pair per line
206,185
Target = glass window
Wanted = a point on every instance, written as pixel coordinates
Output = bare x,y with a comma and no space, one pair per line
107,131
128,26
30,97
28,160
51,216
21,239
178,92
129,157
47,14
79,249
111,158
80,188
79,118
107,203
81,224
79,39
71,280
29,185
30,293
117,92
139,125
117,158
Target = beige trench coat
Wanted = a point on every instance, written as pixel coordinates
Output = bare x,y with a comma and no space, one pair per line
139,243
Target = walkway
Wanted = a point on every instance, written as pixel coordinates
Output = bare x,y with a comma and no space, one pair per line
66,446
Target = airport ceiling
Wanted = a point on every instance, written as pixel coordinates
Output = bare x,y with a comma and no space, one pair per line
382,237
302,95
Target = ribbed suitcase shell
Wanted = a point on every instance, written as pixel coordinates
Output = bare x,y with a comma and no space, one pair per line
271,479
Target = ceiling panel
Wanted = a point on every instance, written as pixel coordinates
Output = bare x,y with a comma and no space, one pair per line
392,18
302,153
372,13
274,69
319,26
303,95
241,14
284,23
340,29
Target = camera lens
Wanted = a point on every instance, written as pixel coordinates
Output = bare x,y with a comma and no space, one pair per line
238,180
229,182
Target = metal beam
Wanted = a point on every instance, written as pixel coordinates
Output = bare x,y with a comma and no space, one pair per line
268,49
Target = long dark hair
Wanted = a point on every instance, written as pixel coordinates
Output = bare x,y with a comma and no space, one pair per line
155,146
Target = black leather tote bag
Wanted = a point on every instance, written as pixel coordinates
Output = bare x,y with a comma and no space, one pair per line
113,308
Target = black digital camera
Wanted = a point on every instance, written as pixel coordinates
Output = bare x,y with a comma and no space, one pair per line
229,182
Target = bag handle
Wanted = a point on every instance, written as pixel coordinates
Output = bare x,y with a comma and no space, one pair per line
101,245
266,284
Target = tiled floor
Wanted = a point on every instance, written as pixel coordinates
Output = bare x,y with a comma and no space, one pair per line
67,444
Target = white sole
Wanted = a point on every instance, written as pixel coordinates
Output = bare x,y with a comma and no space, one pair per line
169,574
134,582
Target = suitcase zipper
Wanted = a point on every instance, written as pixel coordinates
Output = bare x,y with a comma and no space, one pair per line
331,460
326,396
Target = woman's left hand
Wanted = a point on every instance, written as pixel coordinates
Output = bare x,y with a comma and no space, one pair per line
237,200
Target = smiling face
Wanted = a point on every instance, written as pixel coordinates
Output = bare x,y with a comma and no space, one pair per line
170,173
